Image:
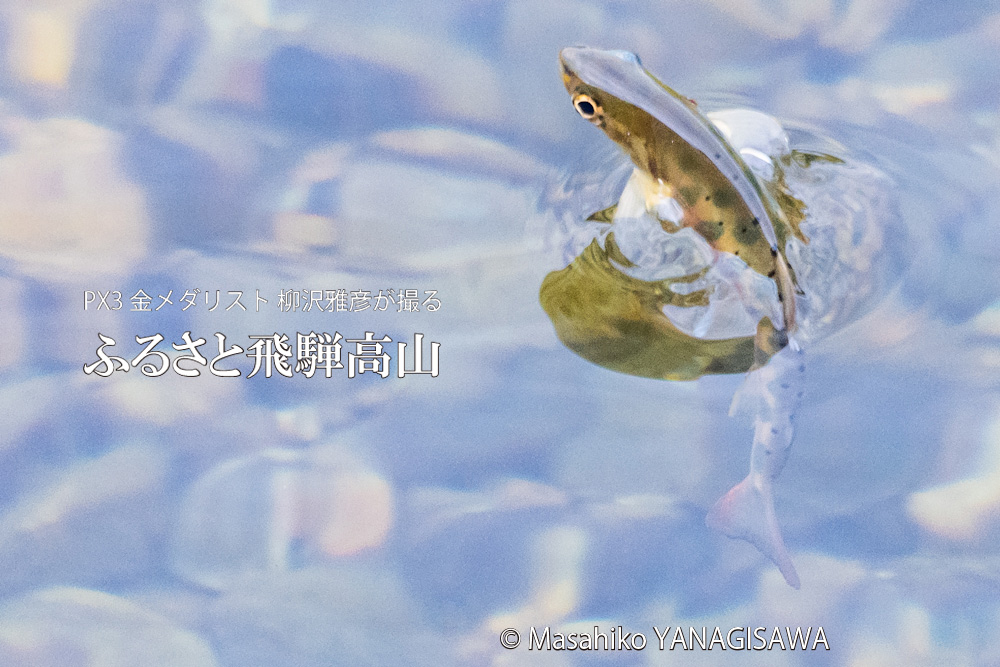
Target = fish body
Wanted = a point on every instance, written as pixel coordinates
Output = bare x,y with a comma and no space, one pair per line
689,177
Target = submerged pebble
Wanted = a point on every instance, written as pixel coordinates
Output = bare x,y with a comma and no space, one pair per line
323,617
77,627
97,520
70,207
967,509
278,511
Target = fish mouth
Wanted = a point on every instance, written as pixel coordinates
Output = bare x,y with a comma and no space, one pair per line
568,75
570,55
599,68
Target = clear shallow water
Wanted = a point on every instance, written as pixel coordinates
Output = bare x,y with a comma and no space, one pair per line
237,146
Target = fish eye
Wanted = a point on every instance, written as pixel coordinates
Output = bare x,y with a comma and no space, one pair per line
586,106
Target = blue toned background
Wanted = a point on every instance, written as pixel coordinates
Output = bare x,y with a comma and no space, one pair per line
266,146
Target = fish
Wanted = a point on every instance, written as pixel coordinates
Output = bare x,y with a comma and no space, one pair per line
689,176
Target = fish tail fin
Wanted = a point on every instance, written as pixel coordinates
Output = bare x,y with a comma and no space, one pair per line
747,512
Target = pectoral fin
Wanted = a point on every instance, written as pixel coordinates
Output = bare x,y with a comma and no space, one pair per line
746,512
604,215
806,158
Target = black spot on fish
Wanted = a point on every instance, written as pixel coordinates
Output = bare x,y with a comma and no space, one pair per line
774,253
771,274
708,197
746,234
724,197
689,195
756,222
688,161
710,231
718,156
